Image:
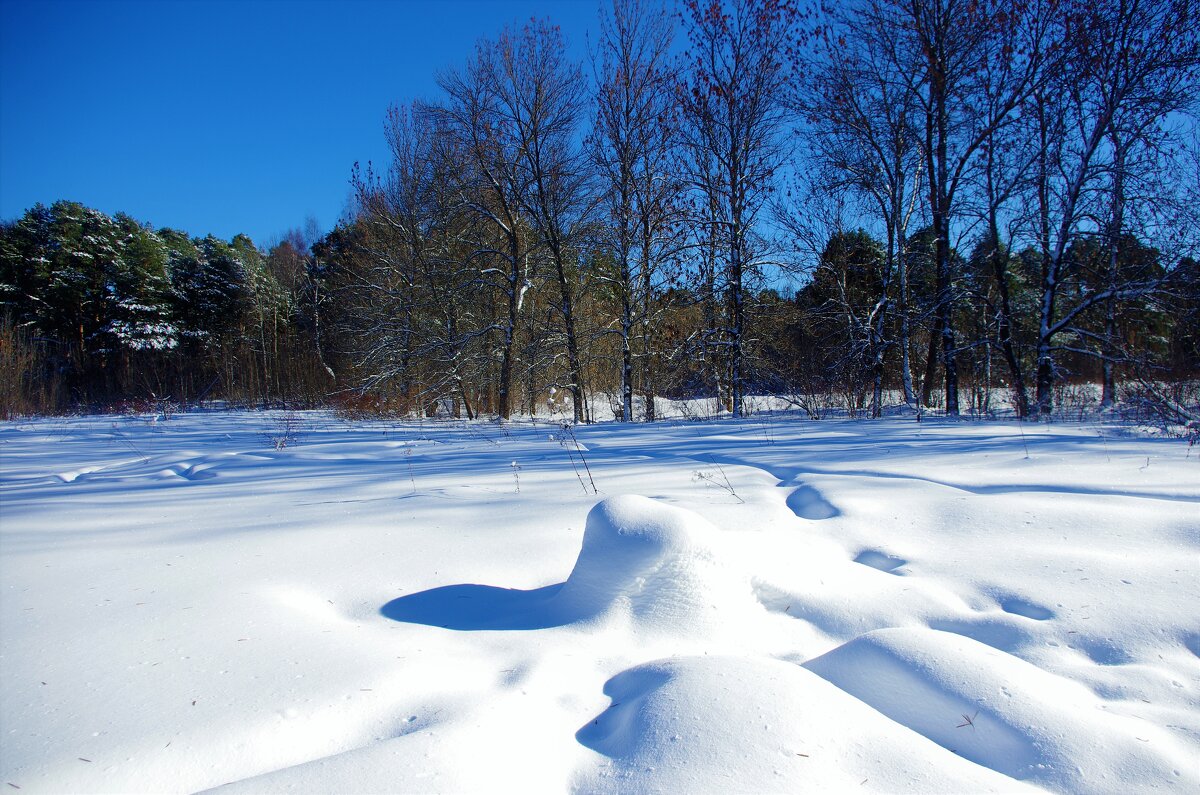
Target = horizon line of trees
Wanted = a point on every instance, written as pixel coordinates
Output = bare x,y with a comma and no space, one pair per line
96,310
973,195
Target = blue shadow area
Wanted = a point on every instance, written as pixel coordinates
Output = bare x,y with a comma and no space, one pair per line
610,733
808,503
478,607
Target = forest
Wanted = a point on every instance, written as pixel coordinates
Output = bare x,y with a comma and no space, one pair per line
965,206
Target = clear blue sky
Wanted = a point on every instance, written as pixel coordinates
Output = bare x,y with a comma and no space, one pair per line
223,117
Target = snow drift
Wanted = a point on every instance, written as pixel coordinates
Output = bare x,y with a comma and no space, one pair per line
642,563
741,724
1003,713
883,605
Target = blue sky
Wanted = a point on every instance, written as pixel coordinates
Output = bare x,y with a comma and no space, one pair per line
223,117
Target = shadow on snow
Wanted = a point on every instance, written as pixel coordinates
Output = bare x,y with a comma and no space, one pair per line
471,607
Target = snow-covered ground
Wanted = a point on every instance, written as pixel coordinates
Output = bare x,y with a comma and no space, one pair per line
771,604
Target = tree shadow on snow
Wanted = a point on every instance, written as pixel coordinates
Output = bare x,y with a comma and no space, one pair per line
471,607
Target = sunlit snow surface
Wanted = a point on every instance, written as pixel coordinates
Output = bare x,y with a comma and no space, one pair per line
299,603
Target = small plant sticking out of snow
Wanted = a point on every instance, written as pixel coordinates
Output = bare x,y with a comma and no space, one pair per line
128,443
568,442
151,410
164,407
412,478
516,470
718,479
552,402
286,430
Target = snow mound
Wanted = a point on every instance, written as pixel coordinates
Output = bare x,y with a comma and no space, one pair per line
738,724
1001,712
642,563
655,562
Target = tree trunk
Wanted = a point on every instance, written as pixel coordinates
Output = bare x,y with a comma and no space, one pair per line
931,363
1004,330
567,308
648,367
626,376
1109,394
910,394
945,312
937,141
737,331
1045,356
877,388
626,334
516,293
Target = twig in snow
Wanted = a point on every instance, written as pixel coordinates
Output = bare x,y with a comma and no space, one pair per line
1021,426
128,443
968,721
767,428
284,430
475,431
723,483
571,445
1100,433
408,458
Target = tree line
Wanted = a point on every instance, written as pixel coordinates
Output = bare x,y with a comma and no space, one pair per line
981,196
97,310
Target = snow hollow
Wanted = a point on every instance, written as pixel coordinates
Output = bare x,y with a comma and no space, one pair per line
291,602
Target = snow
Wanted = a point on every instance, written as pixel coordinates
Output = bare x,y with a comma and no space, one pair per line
1019,719
286,601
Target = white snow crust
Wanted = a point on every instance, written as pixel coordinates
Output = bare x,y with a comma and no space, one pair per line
291,602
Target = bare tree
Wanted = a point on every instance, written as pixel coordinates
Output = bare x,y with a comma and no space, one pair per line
394,207
863,127
955,39
1129,64
491,186
631,147
734,124
538,103
1006,156
454,318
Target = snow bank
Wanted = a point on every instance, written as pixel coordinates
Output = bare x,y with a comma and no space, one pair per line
643,564
1004,713
740,724
654,562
